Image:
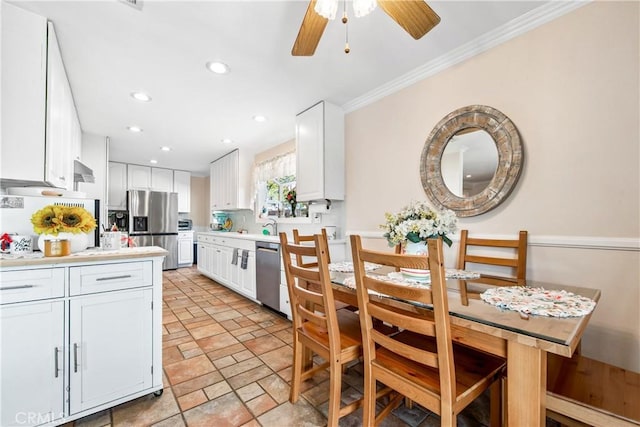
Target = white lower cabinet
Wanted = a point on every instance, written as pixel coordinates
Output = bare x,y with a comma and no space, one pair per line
111,353
78,338
185,248
33,360
216,260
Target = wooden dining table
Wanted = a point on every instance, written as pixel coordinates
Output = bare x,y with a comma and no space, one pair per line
523,340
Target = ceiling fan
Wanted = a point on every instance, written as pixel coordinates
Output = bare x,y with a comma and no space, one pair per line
415,16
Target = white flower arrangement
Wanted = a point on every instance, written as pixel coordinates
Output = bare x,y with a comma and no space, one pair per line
418,222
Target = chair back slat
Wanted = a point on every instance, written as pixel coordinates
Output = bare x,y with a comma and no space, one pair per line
314,317
403,319
301,238
516,263
422,295
306,295
395,260
429,358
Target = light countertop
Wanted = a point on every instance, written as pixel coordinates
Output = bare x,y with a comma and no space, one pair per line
255,237
92,254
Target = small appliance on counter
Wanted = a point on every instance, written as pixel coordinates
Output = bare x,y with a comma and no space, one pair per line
185,224
221,222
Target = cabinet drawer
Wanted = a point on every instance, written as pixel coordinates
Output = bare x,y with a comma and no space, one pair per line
205,238
30,285
109,277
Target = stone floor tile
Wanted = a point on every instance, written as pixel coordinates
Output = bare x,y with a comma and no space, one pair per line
146,410
99,419
192,399
249,392
223,362
289,414
217,342
197,383
175,421
285,335
216,390
174,327
206,331
226,351
279,358
318,394
171,355
238,368
277,388
261,404
227,410
252,423
264,344
243,355
188,369
250,376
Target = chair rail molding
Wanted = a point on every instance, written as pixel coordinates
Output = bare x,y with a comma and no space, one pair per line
581,242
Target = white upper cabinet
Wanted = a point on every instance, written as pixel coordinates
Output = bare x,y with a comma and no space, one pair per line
320,153
182,186
63,134
230,181
117,191
162,179
138,177
41,133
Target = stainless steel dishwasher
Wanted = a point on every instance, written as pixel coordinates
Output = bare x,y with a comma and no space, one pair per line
268,274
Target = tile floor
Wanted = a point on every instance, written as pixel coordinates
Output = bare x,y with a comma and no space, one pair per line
227,362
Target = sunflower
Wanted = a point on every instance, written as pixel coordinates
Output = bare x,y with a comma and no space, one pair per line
54,219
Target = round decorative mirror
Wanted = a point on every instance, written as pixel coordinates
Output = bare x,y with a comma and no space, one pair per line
471,160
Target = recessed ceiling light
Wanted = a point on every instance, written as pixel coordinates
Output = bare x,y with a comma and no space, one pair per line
259,118
140,96
468,176
165,148
218,67
153,161
134,129
226,141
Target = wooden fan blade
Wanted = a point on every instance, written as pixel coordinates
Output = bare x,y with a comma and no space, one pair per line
310,32
415,16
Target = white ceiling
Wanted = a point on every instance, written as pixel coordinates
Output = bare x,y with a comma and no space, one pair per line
111,49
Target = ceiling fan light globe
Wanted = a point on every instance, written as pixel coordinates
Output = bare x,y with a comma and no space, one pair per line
326,8
363,7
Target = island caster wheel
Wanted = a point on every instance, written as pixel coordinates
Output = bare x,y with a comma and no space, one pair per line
158,393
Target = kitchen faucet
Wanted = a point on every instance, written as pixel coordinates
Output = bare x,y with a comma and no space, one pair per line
274,226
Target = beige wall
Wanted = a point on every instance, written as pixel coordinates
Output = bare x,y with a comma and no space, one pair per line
571,88
200,202
276,151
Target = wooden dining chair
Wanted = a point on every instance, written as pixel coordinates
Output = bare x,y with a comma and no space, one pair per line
421,362
306,262
517,263
334,335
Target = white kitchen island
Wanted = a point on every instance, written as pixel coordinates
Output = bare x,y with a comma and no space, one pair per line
79,333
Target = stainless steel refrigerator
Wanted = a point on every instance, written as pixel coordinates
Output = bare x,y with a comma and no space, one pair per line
153,221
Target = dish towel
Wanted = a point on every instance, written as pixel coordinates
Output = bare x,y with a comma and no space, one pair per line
234,257
539,301
245,257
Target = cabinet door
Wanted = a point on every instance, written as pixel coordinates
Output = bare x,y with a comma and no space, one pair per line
138,177
33,360
162,179
185,251
206,258
310,153
215,174
248,276
230,180
182,186
110,344
59,164
117,197
24,76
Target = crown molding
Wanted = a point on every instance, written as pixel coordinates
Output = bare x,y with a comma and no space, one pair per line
520,25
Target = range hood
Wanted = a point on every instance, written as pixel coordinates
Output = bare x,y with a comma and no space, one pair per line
82,173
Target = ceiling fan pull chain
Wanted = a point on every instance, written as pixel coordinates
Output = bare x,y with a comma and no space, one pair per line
345,19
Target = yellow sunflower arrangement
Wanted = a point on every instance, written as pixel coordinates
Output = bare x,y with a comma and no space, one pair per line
54,219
